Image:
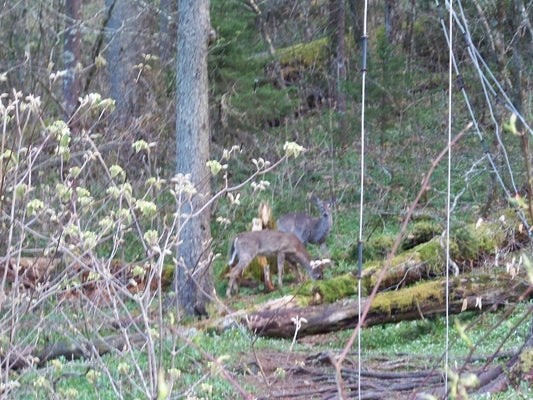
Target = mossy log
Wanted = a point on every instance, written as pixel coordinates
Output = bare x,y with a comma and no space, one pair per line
478,292
421,262
470,245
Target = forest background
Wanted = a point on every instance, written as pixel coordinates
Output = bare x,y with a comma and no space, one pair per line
92,211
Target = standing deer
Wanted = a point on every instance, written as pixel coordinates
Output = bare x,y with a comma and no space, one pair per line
248,245
310,229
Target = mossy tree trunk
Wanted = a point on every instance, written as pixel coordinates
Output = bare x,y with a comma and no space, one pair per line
479,292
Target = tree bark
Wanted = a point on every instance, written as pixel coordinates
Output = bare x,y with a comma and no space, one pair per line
194,277
167,31
72,60
120,56
338,62
279,80
356,13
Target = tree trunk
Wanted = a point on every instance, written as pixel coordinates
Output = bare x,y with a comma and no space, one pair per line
120,59
338,62
193,280
167,31
279,80
356,12
71,56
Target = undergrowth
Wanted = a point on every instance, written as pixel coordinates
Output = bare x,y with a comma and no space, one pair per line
420,342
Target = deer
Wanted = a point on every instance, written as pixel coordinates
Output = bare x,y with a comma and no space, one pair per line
310,229
248,245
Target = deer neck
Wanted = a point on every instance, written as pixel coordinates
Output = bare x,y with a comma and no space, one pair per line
320,229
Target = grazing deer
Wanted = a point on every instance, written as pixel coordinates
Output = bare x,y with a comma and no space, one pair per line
310,229
248,245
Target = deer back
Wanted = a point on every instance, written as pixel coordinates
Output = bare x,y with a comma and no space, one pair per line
266,243
299,224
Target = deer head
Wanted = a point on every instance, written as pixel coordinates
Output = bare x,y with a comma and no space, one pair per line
248,245
310,229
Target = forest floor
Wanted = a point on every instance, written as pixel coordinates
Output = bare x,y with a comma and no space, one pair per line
279,375
273,374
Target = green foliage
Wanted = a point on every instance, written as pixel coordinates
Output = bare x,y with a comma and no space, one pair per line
264,106
473,242
239,59
421,232
387,67
408,337
375,249
429,44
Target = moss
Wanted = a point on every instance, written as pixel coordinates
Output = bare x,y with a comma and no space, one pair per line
310,54
433,255
306,54
473,241
428,253
398,301
330,290
421,232
376,248
255,269
526,361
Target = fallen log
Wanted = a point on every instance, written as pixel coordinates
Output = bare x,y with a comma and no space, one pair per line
16,359
470,245
476,292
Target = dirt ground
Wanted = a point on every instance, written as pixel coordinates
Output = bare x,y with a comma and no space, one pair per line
278,375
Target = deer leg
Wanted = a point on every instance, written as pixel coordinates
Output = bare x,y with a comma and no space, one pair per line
324,250
297,265
235,273
232,284
263,263
299,274
281,261
269,287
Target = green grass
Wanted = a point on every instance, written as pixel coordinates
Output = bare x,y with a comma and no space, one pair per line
422,341
409,337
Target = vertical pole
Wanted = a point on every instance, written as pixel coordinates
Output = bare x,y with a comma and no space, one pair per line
361,186
450,93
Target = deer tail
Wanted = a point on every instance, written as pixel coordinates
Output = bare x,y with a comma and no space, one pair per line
233,251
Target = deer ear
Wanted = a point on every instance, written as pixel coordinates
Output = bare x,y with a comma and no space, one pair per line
265,213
